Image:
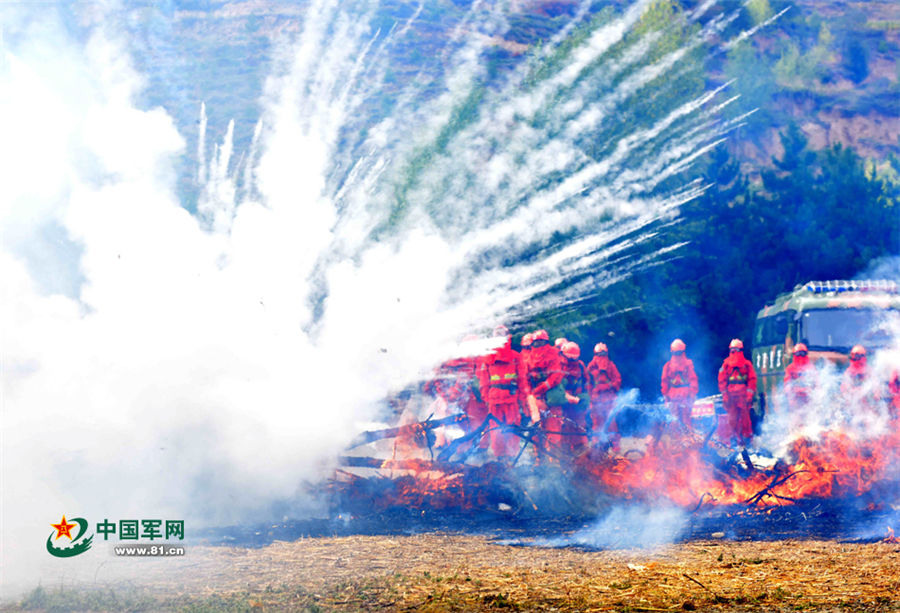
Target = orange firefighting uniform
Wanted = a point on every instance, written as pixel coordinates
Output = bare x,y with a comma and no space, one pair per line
737,382
853,385
798,381
504,387
456,382
544,374
679,388
604,383
855,375
894,389
575,384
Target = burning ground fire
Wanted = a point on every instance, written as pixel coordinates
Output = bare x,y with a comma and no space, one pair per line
688,471
834,467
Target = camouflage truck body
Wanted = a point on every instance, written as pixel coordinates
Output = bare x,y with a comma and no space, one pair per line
829,317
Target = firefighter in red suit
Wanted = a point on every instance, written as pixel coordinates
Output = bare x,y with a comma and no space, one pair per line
894,389
455,387
544,376
504,387
737,382
679,384
526,347
857,371
854,385
604,383
575,385
799,377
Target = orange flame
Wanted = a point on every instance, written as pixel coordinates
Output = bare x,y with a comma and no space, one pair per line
834,466
673,469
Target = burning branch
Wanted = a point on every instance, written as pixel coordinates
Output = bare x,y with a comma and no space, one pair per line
766,491
702,500
411,464
474,437
407,430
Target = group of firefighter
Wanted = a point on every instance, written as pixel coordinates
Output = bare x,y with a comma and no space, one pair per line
574,403
858,386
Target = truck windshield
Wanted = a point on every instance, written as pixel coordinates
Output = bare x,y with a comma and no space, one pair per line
840,329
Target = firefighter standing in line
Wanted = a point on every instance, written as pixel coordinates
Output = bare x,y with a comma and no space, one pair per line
545,374
737,382
575,384
855,382
455,387
504,387
894,389
604,383
526,346
679,384
799,377
857,370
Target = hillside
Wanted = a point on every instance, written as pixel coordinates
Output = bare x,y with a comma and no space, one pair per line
823,73
830,66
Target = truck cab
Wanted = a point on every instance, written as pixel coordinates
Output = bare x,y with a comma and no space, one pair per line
829,317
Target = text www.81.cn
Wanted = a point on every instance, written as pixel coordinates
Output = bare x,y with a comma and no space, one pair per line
149,550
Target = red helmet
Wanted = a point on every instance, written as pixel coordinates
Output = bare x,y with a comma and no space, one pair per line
600,348
857,352
540,335
560,342
571,350
526,340
735,344
799,347
677,345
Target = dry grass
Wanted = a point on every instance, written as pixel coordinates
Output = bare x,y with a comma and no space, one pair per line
444,572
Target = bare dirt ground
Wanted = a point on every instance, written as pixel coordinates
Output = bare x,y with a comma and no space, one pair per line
448,572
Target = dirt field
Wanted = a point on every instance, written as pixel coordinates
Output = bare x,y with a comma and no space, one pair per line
445,572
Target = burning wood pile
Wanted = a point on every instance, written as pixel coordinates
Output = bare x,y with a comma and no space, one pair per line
431,471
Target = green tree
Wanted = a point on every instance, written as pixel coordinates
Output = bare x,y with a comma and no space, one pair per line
754,81
816,215
759,10
856,61
787,68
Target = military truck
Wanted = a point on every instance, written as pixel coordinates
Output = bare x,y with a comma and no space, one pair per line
829,317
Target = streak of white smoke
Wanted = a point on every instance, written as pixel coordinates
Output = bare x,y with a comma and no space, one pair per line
186,374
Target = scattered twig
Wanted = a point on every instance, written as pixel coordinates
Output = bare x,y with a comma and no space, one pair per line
702,498
687,576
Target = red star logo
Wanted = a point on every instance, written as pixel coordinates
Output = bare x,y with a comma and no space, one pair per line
63,528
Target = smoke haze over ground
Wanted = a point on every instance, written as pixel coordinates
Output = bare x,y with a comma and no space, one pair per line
159,361
626,527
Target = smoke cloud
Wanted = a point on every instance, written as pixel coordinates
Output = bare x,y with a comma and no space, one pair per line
159,363
628,527
862,414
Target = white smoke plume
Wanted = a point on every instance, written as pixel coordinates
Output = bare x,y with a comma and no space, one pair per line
834,407
158,363
628,527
